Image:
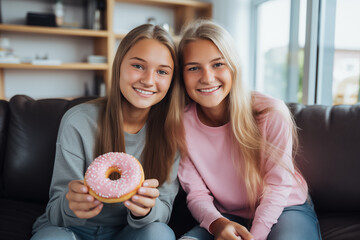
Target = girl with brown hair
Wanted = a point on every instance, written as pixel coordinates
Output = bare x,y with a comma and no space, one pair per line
142,117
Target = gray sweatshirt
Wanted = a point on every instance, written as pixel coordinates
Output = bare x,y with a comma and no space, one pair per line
74,153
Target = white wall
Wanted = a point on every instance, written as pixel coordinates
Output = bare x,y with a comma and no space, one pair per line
232,14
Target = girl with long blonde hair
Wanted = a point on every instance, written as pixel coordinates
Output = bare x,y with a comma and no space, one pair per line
142,117
239,174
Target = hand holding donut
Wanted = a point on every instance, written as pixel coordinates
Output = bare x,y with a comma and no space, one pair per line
81,202
224,229
141,203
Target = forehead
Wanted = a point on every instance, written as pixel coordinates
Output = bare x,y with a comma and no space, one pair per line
150,49
201,49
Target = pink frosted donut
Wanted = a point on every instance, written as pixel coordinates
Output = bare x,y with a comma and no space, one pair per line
114,177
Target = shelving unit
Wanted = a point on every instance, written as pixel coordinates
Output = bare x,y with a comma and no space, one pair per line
104,40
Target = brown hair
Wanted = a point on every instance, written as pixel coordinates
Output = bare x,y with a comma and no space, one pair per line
164,134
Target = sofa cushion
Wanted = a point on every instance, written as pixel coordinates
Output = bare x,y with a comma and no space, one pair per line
181,219
329,157
344,226
30,146
17,218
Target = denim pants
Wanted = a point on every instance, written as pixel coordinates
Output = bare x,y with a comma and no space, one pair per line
152,231
295,222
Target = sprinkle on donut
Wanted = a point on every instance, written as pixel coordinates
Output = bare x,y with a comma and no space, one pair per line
114,177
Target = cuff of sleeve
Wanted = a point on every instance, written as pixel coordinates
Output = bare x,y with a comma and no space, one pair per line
259,231
209,219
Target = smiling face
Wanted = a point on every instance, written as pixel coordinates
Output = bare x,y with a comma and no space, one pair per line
207,77
145,74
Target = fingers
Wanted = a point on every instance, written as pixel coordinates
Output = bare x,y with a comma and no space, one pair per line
89,213
80,202
141,203
243,232
154,183
148,192
136,209
224,229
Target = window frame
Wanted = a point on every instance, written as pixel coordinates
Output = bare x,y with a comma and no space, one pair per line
318,50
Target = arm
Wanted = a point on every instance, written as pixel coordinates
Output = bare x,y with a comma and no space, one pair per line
199,199
69,166
279,171
201,204
162,206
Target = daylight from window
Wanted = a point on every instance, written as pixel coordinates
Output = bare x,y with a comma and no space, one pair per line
280,51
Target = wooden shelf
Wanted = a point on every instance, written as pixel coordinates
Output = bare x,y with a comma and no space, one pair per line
185,3
120,35
52,30
104,41
64,66
185,10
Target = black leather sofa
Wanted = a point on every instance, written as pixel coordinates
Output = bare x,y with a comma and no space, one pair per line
329,159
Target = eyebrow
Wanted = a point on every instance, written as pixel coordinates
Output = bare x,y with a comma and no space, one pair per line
143,60
195,63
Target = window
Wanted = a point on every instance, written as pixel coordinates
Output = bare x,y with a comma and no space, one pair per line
346,66
306,50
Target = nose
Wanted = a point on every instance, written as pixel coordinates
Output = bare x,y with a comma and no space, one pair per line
208,76
148,79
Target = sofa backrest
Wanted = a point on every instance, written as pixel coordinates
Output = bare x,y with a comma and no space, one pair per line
30,146
4,109
329,156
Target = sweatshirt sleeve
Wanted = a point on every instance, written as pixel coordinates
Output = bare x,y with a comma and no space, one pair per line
199,199
67,167
161,212
69,164
278,177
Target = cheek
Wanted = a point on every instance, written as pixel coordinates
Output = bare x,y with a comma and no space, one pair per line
164,84
189,80
227,77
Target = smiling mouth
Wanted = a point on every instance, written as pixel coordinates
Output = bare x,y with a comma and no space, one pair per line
209,90
144,92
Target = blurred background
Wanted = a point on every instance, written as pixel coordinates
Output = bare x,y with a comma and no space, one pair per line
305,51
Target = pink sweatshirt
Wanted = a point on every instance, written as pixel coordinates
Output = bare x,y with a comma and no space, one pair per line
210,180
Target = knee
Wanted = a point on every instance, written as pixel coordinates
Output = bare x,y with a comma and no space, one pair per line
54,233
158,231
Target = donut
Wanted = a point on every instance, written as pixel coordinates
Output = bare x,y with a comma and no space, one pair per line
114,177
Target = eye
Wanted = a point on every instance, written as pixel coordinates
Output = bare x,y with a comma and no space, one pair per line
162,72
217,65
193,69
138,66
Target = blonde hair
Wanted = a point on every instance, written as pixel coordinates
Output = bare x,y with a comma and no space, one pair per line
164,134
251,145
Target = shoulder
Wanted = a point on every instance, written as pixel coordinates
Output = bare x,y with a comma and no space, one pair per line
83,110
271,113
265,103
81,114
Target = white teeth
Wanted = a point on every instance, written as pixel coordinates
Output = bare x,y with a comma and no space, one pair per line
144,92
209,90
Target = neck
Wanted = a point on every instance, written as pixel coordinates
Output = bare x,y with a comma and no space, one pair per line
215,116
134,118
